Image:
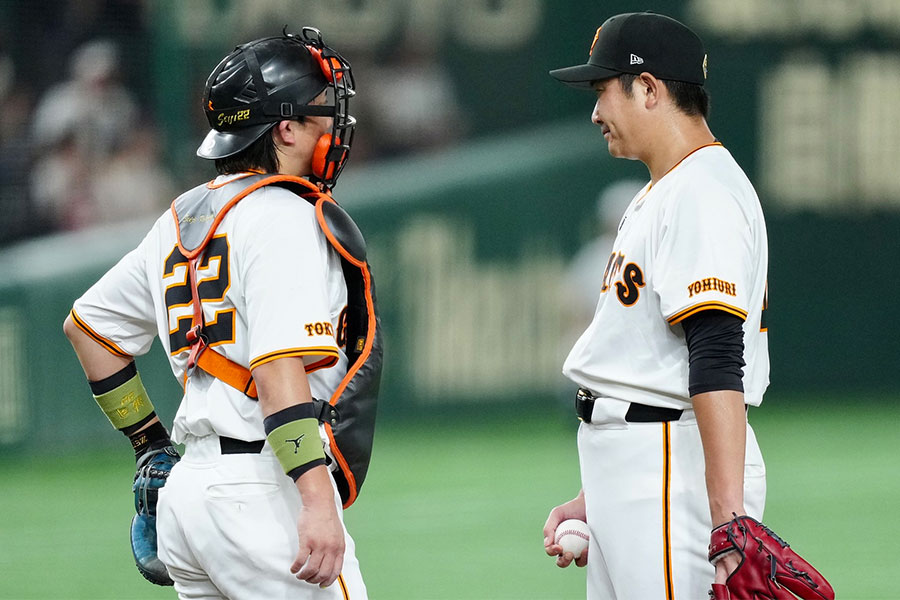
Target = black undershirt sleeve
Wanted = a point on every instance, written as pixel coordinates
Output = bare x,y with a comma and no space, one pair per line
715,342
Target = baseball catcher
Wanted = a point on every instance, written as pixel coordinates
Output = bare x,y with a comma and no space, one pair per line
258,286
768,569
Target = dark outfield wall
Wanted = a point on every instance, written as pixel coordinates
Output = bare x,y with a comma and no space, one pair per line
470,246
470,254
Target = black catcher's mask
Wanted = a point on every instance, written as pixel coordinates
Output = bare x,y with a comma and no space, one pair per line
272,79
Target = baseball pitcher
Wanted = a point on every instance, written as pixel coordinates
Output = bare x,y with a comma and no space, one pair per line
677,349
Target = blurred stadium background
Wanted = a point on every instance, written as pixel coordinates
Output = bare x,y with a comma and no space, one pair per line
479,182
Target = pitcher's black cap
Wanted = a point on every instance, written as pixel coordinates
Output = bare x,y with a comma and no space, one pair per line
637,43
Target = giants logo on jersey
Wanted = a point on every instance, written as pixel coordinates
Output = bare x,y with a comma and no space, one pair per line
628,287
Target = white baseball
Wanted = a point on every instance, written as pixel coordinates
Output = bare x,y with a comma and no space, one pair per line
573,535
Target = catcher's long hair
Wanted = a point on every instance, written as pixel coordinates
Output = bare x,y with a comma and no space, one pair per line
261,155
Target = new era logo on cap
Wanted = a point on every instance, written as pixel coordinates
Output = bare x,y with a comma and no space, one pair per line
638,42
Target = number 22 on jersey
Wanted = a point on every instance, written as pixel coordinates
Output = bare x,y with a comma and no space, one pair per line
213,280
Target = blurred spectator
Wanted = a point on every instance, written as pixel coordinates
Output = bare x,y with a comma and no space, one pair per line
410,103
7,75
18,216
60,184
93,163
45,33
134,183
93,106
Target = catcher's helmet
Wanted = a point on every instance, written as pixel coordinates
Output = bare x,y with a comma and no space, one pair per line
272,79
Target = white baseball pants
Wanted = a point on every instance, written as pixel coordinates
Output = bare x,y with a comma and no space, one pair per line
647,508
227,529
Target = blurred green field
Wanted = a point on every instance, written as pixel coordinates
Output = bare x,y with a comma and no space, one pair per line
454,509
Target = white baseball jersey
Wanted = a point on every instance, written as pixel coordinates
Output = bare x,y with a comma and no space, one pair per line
271,287
696,240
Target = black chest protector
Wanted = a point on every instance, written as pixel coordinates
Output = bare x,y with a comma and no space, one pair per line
349,415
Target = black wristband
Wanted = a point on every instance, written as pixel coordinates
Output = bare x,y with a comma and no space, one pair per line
132,429
151,438
297,472
108,384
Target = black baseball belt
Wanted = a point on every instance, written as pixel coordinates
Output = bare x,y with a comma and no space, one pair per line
233,446
637,413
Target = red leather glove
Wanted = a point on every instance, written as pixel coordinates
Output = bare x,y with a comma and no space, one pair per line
769,569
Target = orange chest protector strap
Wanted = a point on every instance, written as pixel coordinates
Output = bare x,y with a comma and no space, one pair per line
197,215
351,409
201,355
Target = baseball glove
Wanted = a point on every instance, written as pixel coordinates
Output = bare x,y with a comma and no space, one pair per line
152,471
769,569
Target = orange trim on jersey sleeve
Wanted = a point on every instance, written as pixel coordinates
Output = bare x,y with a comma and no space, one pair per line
343,584
692,310
107,344
330,352
325,363
239,377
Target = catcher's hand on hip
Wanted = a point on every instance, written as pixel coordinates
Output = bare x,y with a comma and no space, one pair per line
153,470
766,567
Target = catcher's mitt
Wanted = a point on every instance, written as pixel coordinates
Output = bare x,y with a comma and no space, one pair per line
769,569
152,471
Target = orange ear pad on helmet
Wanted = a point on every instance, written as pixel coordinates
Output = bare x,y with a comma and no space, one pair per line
320,158
327,66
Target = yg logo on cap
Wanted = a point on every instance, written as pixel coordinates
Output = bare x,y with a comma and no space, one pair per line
594,43
636,60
